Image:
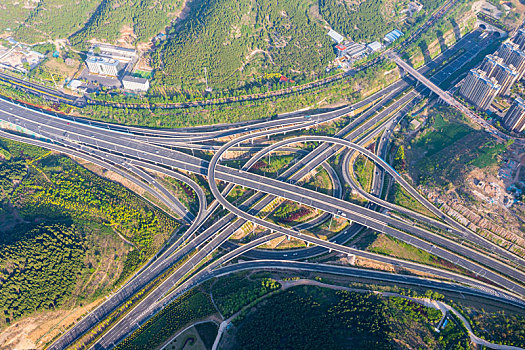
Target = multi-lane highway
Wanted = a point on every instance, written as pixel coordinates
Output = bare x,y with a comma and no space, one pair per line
136,153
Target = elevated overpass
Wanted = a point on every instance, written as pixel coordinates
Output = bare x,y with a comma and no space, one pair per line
444,95
448,98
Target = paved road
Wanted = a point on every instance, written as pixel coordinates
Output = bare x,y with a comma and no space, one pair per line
174,159
99,142
448,98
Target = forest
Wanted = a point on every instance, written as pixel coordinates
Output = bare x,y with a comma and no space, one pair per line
318,318
40,271
239,41
61,225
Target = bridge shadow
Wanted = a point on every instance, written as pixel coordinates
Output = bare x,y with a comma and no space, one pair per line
456,29
424,50
441,40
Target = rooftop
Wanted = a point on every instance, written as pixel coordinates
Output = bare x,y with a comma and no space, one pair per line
102,60
133,79
335,35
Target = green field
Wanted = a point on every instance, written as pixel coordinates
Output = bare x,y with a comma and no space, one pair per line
448,148
386,245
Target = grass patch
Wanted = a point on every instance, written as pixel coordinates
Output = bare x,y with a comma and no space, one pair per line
448,149
364,172
390,246
402,198
443,134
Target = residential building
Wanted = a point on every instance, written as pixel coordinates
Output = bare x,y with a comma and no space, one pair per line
135,83
103,66
512,55
496,68
519,39
515,117
479,89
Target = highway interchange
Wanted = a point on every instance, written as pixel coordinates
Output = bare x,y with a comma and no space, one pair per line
136,153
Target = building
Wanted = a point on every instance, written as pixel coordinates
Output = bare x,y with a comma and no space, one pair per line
519,39
393,36
496,68
351,50
515,117
135,83
512,55
479,89
338,38
103,66
120,54
109,60
374,46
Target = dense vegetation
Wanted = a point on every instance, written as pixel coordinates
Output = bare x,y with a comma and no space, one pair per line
84,20
187,308
240,41
146,17
233,292
52,19
58,231
315,318
361,21
500,327
346,89
39,271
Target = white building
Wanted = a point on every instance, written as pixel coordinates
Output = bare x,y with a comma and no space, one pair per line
374,46
103,66
338,38
118,53
135,84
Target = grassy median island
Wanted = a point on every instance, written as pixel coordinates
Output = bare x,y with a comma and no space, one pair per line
401,197
67,236
364,172
387,245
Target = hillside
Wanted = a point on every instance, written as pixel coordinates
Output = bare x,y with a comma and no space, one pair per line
80,21
241,43
67,236
238,41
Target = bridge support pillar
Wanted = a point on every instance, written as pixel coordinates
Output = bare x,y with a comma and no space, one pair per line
351,259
